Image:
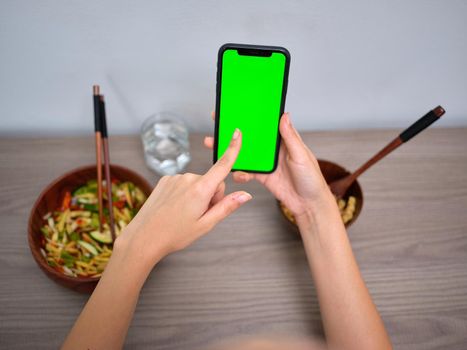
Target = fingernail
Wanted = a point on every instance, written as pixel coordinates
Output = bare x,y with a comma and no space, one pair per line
236,133
243,197
287,118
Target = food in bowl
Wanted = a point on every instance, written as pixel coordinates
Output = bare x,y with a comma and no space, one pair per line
72,242
346,206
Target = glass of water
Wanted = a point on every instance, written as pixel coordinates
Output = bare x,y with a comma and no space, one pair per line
165,142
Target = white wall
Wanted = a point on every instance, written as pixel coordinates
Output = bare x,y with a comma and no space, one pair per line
355,64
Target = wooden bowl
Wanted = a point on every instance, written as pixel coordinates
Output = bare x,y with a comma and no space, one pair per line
50,200
331,172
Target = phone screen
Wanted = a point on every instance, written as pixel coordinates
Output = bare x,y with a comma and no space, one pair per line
251,89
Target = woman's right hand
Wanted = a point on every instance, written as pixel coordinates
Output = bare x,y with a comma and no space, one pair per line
350,318
297,182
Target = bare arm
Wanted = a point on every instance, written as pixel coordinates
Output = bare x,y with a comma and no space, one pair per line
350,318
181,209
104,321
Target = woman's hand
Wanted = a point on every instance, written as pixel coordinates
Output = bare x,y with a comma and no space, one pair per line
182,208
297,182
350,318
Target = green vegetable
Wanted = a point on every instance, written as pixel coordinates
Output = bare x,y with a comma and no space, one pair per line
95,220
67,258
80,190
126,189
62,220
74,236
139,195
92,184
114,189
89,247
90,207
44,231
101,237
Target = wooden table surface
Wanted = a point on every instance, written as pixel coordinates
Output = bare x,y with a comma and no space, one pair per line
249,275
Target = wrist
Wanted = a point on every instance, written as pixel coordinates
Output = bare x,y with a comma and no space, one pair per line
323,208
133,255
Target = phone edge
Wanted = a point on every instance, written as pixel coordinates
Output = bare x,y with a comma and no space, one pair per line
285,82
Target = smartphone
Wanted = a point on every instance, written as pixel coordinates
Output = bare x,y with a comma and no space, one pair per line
251,89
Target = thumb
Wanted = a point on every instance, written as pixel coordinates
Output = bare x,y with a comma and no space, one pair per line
224,208
293,141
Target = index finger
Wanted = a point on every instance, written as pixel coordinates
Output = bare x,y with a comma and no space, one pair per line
219,171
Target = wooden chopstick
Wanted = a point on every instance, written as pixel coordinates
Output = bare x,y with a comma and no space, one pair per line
107,167
97,128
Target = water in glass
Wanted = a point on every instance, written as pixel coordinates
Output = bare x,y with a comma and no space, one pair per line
165,142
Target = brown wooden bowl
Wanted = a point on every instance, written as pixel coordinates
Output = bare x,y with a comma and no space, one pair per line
50,200
331,172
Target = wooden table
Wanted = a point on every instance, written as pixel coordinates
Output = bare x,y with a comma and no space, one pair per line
250,276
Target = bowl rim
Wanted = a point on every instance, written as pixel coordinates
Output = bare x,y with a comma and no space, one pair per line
37,254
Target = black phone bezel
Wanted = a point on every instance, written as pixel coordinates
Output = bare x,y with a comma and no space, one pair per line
254,50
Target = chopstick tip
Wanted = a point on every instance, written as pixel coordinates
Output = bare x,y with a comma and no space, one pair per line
439,111
96,90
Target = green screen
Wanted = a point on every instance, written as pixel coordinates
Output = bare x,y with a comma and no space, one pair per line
250,99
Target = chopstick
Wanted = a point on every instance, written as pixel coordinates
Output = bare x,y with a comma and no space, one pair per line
107,166
97,129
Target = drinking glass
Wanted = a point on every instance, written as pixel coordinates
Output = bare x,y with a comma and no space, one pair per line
165,143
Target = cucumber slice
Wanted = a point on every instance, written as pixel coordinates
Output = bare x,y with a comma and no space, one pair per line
101,237
95,220
89,247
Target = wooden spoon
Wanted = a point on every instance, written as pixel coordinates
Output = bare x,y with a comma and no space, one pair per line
340,187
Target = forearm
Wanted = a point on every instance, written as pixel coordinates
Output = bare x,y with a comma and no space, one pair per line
104,321
350,318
